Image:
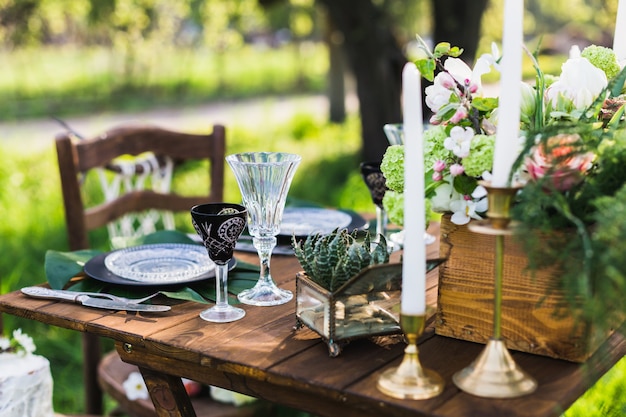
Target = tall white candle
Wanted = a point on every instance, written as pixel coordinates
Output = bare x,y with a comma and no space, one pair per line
413,300
619,37
507,138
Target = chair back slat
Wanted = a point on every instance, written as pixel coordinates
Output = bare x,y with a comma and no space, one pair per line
76,158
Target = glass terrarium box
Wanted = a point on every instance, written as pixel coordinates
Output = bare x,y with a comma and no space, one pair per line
368,304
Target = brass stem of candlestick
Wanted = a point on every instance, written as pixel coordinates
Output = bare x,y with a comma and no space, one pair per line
494,374
410,380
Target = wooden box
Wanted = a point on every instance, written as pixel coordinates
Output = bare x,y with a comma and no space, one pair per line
465,299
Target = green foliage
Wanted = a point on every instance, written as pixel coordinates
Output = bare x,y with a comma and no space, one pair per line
579,230
95,79
331,260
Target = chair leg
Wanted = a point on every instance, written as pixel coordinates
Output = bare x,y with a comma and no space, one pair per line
92,352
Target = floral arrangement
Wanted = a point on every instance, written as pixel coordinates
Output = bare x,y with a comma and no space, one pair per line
459,145
572,154
19,343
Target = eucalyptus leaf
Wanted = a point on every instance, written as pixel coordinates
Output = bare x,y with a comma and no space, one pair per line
60,267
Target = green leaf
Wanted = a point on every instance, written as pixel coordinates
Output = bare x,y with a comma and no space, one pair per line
426,67
464,184
442,48
455,52
485,103
187,294
60,267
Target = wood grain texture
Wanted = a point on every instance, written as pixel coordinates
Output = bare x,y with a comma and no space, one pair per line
260,356
465,299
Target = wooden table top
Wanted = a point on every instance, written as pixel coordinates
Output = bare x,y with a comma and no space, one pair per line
261,356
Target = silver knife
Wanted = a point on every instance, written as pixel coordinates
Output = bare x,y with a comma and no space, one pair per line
89,301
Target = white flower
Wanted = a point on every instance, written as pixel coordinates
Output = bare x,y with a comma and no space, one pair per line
437,94
444,194
486,61
135,387
5,343
466,208
230,397
25,341
459,141
580,82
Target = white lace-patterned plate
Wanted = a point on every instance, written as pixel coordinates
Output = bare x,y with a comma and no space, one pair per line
160,263
304,221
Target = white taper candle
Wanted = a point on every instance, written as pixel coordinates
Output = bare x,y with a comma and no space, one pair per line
619,37
507,138
413,300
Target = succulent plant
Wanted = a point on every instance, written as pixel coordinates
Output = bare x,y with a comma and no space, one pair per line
332,259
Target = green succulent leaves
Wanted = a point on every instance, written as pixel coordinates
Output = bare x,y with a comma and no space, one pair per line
331,260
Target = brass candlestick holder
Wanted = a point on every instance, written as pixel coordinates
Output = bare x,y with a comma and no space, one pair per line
410,380
494,374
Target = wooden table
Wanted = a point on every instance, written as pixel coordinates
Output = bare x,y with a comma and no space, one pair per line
260,356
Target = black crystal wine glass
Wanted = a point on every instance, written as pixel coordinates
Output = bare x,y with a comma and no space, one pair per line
377,185
220,225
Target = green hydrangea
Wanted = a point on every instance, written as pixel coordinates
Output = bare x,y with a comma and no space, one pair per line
433,146
480,158
394,206
603,58
392,167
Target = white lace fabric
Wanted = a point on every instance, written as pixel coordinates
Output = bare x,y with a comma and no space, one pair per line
25,386
153,176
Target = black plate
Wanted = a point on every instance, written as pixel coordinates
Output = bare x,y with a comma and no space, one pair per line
96,269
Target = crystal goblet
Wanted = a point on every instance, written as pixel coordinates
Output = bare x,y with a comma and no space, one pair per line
264,179
376,184
220,225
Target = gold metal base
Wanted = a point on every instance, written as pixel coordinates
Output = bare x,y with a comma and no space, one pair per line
494,374
410,381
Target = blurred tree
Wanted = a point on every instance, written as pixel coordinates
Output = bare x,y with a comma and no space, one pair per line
376,56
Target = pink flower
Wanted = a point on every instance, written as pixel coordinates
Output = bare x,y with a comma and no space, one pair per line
560,161
460,114
437,176
439,166
456,169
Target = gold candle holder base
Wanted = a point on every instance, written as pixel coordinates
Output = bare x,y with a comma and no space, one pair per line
494,374
410,381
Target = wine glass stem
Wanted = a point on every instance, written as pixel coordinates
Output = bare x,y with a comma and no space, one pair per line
221,285
264,247
381,222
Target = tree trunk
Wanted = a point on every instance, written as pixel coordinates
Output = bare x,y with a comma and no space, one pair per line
336,72
376,61
458,22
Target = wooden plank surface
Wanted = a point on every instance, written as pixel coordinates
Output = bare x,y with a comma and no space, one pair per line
262,356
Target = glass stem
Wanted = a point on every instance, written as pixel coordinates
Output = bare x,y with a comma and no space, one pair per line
264,247
381,223
221,285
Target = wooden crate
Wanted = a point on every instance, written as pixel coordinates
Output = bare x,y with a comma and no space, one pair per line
465,299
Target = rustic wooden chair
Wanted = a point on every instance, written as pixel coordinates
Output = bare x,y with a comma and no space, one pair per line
77,157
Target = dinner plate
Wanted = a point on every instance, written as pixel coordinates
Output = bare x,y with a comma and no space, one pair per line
156,263
96,269
304,221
